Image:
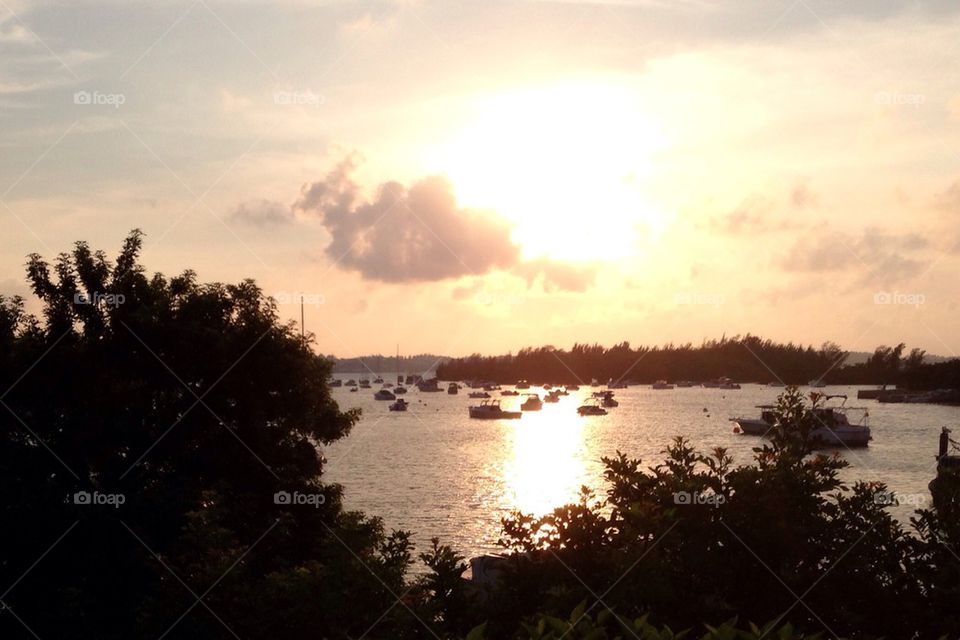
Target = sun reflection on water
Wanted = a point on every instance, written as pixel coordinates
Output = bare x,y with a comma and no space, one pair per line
548,462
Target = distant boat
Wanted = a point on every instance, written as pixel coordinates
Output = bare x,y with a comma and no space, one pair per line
353,389
774,384
522,384
428,386
399,405
351,382
509,392
817,384
553,396
532,403
453,388
662,384
384,394
336,382
478,394
400,390
607,400
594,382
684,384
616,384
547,387
572,387
591,408
378,380
727,383
364,383
490,410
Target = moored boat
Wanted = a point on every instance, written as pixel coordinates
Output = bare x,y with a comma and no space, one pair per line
491,410
532,403
834,427
591,408
399,405
384,394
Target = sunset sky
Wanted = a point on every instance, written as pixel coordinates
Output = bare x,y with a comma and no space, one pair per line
472,176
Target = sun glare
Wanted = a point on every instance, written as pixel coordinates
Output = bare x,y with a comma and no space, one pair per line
565,163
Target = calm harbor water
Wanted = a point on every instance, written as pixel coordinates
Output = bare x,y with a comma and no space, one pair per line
435,472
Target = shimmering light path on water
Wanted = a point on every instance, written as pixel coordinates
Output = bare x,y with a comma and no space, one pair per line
435,472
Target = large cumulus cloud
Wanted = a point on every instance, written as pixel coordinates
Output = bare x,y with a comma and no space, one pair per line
406,234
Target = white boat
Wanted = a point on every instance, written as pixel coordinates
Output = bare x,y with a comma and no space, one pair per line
490,410
833,425
727,383
384,394
399,405
532,403
662,384
591,408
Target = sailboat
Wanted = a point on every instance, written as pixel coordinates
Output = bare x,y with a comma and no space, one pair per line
399,389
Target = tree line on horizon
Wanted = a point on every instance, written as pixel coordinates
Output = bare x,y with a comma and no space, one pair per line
746,358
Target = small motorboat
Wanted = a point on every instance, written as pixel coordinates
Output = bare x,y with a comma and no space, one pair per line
479,394
532,403
522,384
353,389
384,394
336,382
553,396
490,410
591,408
547,387
378,380
399,405
364,383
453,388
351,382
684,384
509,392
616,384
572,387
607,399
727,383
399,389
428,386
662,384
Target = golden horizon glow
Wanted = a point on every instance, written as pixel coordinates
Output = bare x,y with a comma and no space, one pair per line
565,163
